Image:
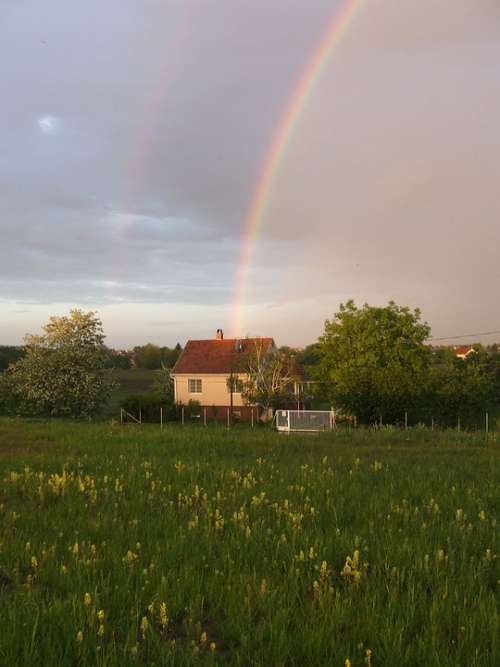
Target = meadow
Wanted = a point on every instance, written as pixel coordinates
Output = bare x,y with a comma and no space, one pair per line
206,546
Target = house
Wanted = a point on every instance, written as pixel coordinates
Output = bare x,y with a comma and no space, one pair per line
463,351
206,372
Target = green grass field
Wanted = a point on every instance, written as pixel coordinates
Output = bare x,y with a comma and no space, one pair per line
212,547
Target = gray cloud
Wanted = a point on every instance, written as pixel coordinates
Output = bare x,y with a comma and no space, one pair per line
134,131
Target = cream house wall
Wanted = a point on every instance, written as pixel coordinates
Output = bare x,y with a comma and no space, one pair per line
214,389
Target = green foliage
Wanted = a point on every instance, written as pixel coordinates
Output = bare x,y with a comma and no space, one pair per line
117,359
161,396
63,371
280,551
163,385
9,354
148,405
154,357
461,388
374,361
267,377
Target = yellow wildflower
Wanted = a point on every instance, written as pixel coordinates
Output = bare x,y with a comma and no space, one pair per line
87,599
79,637
144,626
163,614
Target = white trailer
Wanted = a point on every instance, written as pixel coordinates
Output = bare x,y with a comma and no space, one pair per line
313,421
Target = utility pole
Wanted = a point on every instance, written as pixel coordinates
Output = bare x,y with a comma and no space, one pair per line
231,389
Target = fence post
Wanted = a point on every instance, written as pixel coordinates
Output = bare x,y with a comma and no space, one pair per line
204,416
227,409
161,418
458,424
140,416
121,416
182,413
406,420
355,422
432,423
487,423
251,412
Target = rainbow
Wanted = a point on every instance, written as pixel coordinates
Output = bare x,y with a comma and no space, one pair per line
337,28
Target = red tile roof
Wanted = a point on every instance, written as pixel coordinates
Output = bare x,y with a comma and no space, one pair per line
463,350
216,356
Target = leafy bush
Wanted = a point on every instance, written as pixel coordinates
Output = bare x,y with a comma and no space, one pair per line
148,405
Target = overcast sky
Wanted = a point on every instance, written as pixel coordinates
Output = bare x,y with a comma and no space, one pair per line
133,132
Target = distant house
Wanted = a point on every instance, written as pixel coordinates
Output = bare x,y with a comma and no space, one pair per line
463,351
204,371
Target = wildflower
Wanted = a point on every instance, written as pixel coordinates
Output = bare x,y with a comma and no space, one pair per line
87,599
144,626
459,515
263,587
130,557
100,615
368,658
203,638
64,569
34,562
482,515
163,614
100,632
79,636
212,647
347,663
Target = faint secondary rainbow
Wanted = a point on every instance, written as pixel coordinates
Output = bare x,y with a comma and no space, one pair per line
274,157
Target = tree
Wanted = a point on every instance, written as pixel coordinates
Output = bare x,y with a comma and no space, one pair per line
266,377
374,361
63,371
153,357
117,359
9,354
148,356
462,388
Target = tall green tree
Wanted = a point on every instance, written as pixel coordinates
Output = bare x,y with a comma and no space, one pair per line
374,360
462,388
63,371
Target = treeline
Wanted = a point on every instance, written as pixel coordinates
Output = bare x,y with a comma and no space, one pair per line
376,364
149,356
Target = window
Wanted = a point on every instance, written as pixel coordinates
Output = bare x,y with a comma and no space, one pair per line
235,383
194,386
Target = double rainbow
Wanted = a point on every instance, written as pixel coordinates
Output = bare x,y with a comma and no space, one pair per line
277,150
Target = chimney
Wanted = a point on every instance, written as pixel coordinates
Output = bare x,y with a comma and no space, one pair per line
219,335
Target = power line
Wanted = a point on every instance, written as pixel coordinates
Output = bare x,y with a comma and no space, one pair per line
483,333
